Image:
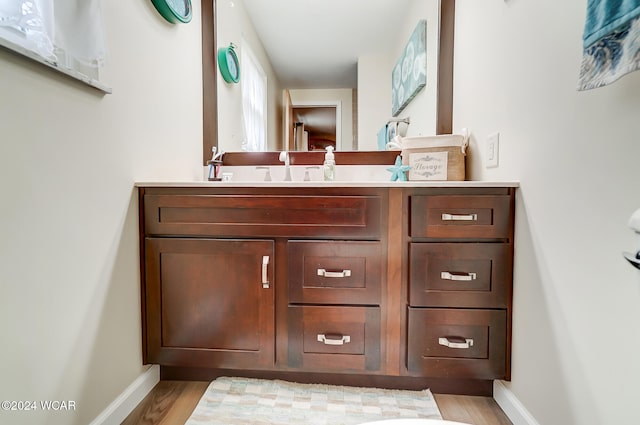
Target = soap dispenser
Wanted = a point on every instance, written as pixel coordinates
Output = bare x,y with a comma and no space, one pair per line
329,165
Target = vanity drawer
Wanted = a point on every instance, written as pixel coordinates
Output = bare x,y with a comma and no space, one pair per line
334,338
334,272
229,214
461,216
460,275
453,343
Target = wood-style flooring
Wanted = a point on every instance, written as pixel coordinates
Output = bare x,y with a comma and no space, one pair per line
171,403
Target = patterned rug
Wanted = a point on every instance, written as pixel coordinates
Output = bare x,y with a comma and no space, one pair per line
230,401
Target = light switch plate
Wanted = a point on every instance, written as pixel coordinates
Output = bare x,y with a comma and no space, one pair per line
492,150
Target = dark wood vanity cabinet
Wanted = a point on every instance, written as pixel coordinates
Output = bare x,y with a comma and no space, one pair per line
391,285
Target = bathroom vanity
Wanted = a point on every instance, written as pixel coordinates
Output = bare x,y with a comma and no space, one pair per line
390,284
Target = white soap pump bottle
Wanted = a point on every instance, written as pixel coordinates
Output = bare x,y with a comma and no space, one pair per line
329,165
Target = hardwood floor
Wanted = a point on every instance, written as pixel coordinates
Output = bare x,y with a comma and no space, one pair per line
171,403
471,410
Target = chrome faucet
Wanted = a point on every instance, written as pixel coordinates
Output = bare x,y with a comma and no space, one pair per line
267,175
284,157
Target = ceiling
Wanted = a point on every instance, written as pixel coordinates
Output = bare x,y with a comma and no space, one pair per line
316,43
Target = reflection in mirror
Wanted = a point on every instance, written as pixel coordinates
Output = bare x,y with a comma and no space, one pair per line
315,127
325,71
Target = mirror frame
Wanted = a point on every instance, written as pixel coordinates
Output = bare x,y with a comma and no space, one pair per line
444,107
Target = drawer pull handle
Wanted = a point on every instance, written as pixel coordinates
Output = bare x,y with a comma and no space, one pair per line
334,339
459,217
457,276
325,273
265,275
455,342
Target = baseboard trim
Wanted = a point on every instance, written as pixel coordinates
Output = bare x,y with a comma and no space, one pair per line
124,404
512,407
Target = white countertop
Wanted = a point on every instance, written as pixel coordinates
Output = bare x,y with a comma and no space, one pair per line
346,176
330,184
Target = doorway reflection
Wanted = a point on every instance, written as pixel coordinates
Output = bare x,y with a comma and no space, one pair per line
315,127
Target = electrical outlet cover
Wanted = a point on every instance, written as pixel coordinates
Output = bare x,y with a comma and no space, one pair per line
492,150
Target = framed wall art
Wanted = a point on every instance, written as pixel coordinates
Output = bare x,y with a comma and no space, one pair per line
409,75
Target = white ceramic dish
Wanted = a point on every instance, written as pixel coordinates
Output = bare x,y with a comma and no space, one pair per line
414,422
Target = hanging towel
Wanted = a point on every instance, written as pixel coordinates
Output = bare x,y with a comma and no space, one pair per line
604,16
611,42
383,138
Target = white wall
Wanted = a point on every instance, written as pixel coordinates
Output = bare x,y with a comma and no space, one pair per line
69,269
422,108
233,25
374,98
374,81
576,315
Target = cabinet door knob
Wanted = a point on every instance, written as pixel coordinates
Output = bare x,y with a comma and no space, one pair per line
265,274
457,276
325,273
455,342
459,217
334,339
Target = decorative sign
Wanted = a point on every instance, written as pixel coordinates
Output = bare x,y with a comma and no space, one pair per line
409,75
428,166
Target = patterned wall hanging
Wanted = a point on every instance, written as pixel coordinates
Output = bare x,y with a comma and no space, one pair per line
409,75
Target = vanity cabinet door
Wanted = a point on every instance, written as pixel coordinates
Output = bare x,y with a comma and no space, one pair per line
209,303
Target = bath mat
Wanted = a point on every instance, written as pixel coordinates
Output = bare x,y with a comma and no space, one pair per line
230,401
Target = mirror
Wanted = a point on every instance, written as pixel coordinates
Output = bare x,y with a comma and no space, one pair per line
355,91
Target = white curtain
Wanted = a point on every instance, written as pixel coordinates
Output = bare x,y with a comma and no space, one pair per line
253,84
55,28
79,30
28,24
